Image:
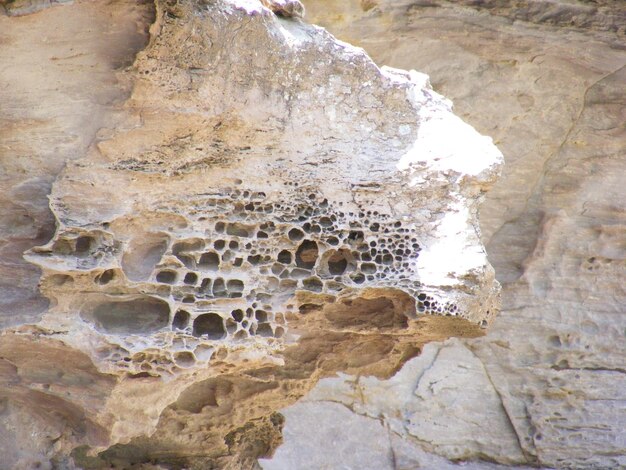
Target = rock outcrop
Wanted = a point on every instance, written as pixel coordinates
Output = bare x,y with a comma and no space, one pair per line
546,80
249,207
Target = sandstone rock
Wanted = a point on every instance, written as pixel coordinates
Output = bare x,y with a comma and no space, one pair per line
26,7
545,79
444,399
286,8
58,88
268,207
354,441
328,435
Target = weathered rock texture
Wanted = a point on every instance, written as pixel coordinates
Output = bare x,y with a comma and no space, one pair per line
58,83
251,206
547,81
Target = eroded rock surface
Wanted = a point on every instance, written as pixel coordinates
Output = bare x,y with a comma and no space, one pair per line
58,87
267,208
546,80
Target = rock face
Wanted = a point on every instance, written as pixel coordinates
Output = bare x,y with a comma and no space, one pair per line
243,212
50,118
546,80
266,208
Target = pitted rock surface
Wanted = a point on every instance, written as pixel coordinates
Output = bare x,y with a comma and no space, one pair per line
232,199
545,79
266,208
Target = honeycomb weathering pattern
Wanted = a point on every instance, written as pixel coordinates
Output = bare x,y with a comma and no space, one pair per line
244,184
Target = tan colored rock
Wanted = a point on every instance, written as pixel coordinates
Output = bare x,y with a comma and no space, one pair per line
545,79
58,87
444,400
325,434
267,208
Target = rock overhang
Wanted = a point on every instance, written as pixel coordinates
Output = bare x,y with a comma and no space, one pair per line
304,167
269,194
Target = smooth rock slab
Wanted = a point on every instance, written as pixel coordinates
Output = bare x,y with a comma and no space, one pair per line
348,440
328,435
444,399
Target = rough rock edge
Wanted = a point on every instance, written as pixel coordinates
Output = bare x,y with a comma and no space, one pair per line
486,178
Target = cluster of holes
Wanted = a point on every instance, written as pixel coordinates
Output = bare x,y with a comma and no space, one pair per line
80,246
230,281
83,250
240,324
157,361
598,263
324,250
427,304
